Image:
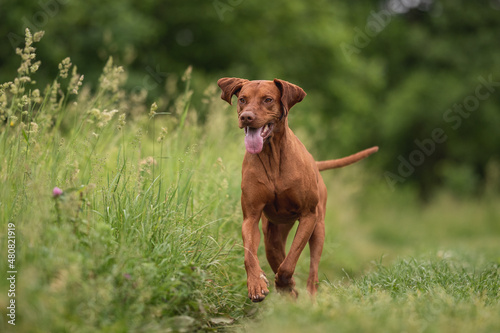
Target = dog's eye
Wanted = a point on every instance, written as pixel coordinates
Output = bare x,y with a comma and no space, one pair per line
268,100
242,100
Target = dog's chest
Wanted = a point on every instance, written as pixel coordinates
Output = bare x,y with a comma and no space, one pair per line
284,207
287,185
289,200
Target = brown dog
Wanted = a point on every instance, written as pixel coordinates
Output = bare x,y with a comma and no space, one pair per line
280,184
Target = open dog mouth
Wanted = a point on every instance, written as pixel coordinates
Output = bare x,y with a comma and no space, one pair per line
255,137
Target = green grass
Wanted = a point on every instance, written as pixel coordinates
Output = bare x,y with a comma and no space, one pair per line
414,295
146,235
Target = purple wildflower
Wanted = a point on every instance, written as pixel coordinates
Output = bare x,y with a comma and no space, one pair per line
56,192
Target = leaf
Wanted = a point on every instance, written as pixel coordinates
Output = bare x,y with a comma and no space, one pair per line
221,321
25,135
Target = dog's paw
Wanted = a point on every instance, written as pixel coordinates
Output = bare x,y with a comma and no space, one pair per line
286,286
258,288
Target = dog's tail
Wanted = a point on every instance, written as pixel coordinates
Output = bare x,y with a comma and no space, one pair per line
344,161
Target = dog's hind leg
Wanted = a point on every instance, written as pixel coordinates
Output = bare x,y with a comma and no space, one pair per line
316,248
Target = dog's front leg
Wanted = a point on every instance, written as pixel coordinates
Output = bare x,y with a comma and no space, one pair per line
256,279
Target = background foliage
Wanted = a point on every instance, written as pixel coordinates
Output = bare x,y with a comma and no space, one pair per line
376,72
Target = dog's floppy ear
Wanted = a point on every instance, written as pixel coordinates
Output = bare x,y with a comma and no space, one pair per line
230,86
290,94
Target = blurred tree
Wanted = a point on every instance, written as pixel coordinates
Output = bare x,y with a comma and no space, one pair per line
390,73
436,56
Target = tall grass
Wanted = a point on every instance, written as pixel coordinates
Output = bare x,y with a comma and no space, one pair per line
143,236
127,219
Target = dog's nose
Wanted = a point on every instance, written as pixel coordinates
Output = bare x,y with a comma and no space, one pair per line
247,117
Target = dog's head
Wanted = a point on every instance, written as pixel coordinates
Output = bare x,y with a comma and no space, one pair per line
262,105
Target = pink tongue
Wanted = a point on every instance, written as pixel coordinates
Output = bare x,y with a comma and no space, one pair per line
253,140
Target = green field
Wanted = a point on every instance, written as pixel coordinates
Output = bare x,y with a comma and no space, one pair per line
145,236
